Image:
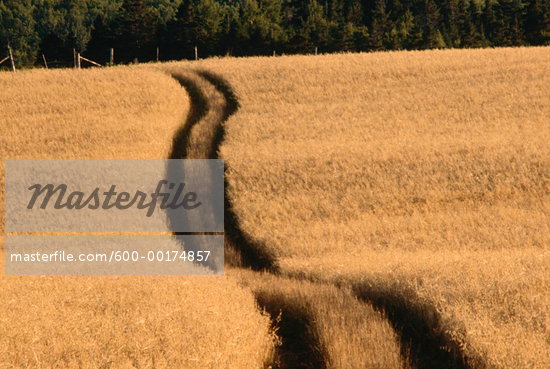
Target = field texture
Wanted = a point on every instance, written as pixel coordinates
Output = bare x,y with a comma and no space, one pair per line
110,321
387,210
419,180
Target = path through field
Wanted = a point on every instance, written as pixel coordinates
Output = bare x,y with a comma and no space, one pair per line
212,103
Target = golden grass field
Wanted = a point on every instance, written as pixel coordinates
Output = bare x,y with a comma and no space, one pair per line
395,191
113,321
317,326
422,177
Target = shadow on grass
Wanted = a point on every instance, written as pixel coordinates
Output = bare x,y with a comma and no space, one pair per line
299,349
419,328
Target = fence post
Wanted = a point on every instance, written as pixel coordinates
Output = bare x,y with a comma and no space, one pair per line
196,53
158,52
77,60
11,58
45,62
112,56
315,50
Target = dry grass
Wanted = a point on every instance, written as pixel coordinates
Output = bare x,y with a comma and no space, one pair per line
424,175
109,321
318,326
422,178
130,322
341,332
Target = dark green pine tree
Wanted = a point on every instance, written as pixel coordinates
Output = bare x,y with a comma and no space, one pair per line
135,32
209,17
471,35
335,11
379,29
178,37
355,13
17,28
518,11
344,37
102,39
491,24
512,12
537,22
453,19
432,37
508,23
315,30
231,38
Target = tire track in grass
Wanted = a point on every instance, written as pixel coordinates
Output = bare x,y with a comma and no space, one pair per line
420,328
296,345
203,87
213,101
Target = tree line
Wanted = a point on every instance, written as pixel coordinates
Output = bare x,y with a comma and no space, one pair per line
136,28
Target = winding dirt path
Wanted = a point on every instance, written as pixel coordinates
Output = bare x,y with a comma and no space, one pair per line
212,103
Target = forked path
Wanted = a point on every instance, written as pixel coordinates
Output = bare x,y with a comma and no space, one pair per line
212,103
